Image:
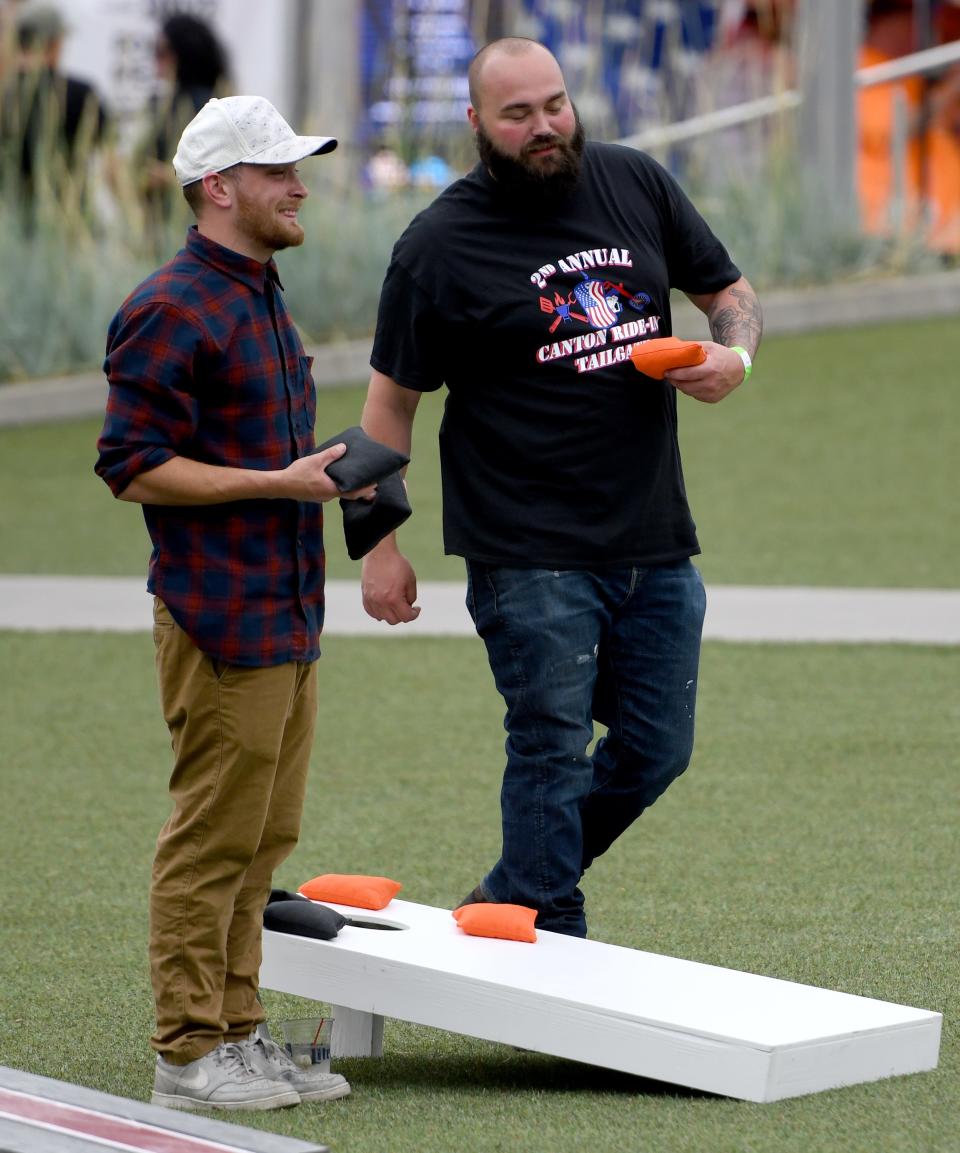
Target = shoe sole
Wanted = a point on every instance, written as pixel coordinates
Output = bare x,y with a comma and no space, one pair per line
195,1105
333,1094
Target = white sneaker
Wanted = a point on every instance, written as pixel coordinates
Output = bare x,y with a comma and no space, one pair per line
312,1084
225,1078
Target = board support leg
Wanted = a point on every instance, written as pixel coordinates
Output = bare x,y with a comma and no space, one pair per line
355,1033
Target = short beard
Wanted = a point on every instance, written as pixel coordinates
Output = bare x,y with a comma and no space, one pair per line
528,182
260,225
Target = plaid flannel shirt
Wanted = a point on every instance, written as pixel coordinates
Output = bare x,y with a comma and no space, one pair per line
204,362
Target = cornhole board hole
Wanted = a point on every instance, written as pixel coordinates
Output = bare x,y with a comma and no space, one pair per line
719,1030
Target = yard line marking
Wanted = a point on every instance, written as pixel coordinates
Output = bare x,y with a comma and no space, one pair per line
743,613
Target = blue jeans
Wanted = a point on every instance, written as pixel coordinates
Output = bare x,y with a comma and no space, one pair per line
620,646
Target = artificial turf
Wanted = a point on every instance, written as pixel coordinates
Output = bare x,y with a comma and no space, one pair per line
813,838
835,465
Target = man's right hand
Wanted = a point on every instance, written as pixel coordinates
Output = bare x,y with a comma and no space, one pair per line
389,585
182,481
307,479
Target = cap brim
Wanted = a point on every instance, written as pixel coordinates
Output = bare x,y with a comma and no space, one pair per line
294,149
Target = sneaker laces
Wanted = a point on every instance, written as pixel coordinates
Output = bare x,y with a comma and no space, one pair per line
231,1055
272,1051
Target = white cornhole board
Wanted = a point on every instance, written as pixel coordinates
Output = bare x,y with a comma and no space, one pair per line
726,1032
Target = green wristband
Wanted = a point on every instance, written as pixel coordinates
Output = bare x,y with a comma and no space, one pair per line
745,357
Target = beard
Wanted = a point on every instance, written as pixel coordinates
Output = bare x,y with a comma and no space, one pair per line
263,226
526,179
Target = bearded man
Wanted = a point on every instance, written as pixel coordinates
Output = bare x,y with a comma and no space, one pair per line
210,427
523,288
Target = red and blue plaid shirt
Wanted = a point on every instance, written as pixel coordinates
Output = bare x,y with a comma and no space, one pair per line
204,362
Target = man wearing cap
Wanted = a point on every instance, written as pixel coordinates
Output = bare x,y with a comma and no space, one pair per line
209,426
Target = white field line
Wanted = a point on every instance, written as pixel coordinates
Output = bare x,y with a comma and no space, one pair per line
734,613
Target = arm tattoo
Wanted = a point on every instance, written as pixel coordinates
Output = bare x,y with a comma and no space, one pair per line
735,318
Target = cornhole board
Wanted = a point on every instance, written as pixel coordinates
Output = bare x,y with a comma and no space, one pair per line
43,1115
719,1030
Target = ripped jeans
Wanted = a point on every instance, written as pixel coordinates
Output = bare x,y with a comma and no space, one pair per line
620,646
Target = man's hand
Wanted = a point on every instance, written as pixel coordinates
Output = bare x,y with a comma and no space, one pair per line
712,380
389,585
181,481
307,479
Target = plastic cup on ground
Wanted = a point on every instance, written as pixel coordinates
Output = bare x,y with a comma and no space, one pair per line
307,1041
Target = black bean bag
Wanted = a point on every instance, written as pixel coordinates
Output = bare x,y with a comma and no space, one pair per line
302,918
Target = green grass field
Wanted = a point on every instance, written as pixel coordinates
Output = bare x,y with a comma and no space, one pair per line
836,465
813,838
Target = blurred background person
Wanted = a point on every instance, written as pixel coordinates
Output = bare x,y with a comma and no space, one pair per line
754,58
192,67
386,171
51,124
908,166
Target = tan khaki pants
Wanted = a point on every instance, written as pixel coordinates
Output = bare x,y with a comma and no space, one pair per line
241,742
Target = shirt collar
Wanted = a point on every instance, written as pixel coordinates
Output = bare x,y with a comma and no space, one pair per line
248,271
523,206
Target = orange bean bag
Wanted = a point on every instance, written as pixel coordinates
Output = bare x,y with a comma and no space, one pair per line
658,356
351,889
489,919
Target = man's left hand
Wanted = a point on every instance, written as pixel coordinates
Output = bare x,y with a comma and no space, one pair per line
712,380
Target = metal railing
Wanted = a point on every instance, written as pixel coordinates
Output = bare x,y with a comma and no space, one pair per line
917,63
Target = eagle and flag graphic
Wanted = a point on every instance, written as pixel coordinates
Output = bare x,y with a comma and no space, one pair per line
598,302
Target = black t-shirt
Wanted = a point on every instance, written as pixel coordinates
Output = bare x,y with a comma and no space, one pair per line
555,451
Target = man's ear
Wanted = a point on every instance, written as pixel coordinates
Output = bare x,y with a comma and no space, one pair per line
218,189
473,117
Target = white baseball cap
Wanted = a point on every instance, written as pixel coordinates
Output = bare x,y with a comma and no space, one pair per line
240,130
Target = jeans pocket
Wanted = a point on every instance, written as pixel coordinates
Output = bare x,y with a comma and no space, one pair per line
470,599
481,597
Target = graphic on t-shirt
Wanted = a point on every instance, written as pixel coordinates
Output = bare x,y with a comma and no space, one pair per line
639,302
563,307
599,300
598,304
